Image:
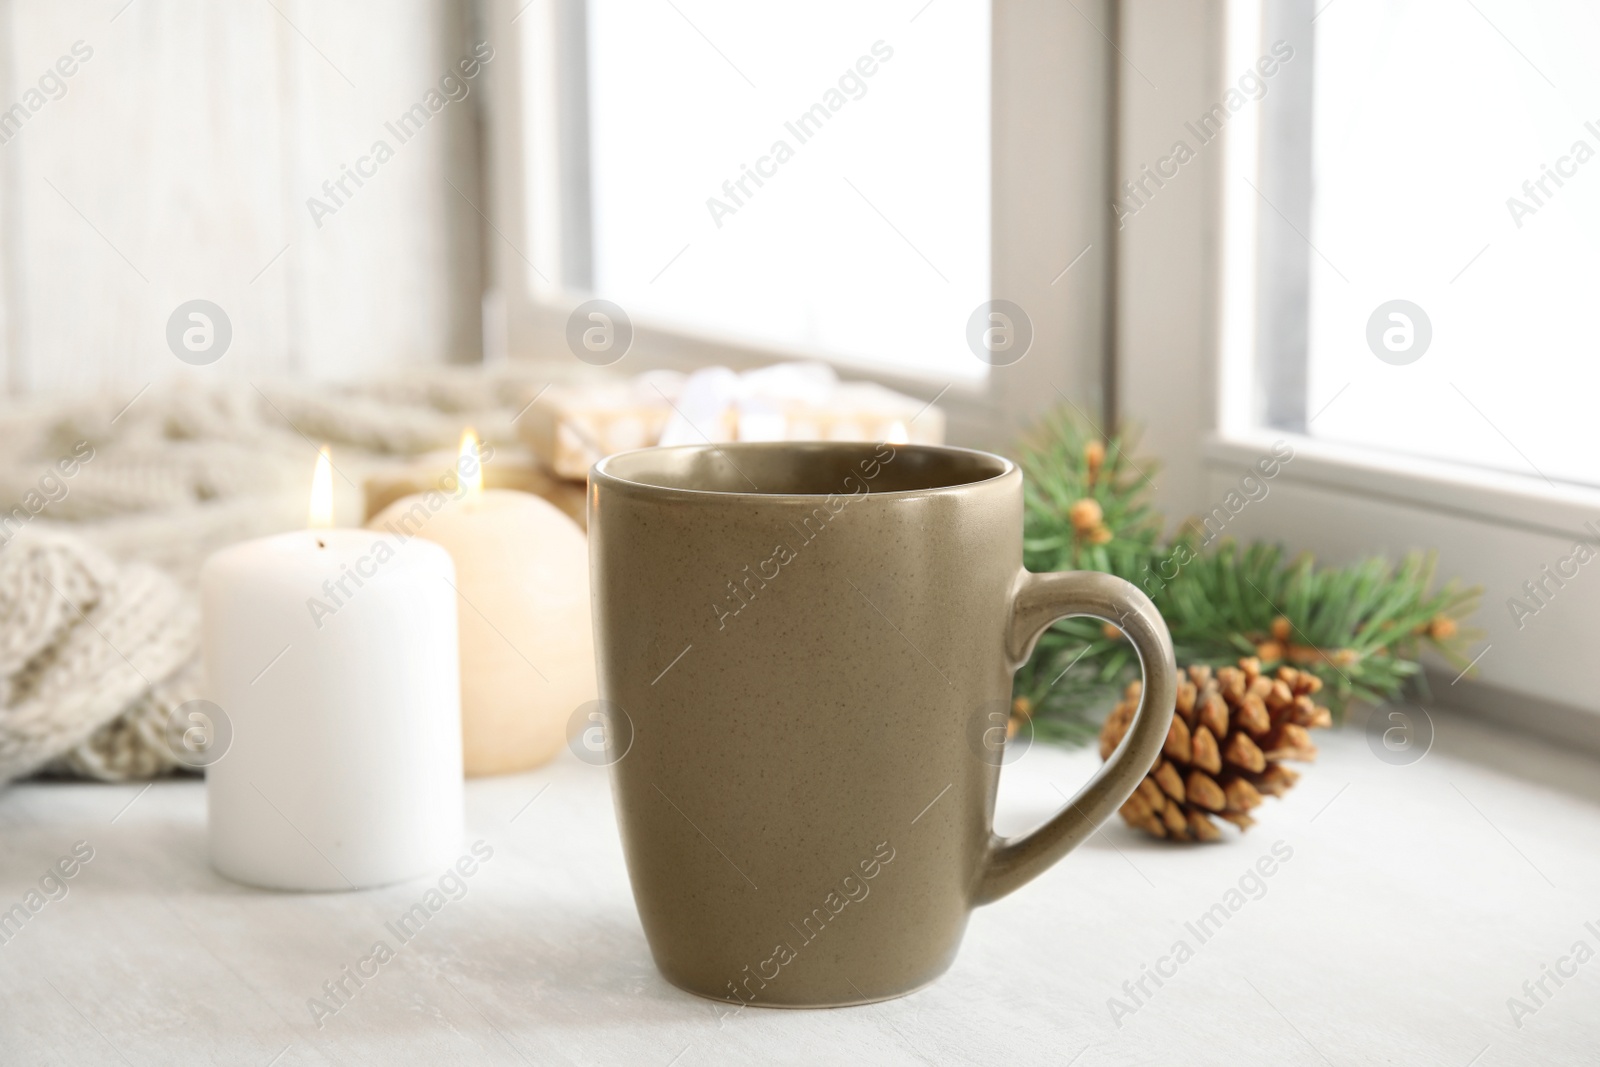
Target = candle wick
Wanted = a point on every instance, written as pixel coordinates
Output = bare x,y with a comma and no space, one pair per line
320,544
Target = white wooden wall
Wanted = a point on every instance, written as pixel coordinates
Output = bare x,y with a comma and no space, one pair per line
178,164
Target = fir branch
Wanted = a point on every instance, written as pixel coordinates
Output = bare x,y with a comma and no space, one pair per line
1113,528
1360,627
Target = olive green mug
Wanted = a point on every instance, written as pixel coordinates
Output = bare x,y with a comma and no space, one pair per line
801,651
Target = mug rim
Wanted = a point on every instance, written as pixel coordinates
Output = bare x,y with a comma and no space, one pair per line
602,472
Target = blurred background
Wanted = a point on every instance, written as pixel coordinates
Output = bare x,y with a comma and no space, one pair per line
1362,230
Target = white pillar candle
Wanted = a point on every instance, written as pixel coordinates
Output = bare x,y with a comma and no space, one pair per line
333,656
527,645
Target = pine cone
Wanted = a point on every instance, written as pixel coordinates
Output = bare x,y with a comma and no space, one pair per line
1231,730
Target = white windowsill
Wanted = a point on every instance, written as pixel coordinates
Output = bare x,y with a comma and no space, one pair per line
1451,880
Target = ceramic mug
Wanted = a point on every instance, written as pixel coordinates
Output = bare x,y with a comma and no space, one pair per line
801,650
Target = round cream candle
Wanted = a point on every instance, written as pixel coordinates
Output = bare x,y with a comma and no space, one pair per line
527,646
332,655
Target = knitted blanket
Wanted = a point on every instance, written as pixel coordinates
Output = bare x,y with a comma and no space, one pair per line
108,508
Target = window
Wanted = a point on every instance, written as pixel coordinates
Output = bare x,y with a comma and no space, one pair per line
1395,303
972,169
1428,251
811,180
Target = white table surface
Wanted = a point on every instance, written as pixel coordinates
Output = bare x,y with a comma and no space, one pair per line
1417,901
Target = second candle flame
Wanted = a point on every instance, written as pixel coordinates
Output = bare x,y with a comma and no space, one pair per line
321,514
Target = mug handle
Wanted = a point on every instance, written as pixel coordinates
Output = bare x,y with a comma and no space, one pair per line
1037,602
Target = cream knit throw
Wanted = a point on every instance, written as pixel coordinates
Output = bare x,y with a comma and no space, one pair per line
99,619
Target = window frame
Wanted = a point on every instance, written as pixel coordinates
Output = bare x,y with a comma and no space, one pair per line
1189,318
1051,102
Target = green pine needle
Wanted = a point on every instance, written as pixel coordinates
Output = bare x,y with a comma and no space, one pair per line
1360,627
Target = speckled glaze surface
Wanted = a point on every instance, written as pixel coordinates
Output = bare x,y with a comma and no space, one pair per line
808,648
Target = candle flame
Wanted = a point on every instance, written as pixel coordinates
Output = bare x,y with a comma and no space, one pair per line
898,434
321,514
470,465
